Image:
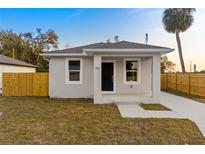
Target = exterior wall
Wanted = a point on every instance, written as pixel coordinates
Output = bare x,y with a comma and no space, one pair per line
57,80
148,91
97,79
17,69
156,79
14,69
144,88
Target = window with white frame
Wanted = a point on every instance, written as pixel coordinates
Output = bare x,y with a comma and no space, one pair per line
131,71
74,71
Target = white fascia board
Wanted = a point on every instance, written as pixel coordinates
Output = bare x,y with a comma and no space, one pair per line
90,52
63,54
162,51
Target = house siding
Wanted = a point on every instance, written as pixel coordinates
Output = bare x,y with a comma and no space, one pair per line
147,92
144,87
59,89
57,80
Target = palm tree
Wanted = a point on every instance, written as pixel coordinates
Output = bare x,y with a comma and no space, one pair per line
178,20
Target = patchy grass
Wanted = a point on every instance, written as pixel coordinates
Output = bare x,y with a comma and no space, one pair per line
202,100
193,97
30,120
158,107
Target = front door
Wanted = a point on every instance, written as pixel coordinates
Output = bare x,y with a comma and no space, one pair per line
107,76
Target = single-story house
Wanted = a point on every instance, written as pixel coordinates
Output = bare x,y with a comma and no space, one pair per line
107,72
11,65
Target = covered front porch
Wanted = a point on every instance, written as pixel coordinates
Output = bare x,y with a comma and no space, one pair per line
126,78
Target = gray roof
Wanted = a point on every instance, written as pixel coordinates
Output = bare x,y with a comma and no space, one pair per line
102,45
10,61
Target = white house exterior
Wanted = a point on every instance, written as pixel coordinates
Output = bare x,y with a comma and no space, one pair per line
107,72
10,65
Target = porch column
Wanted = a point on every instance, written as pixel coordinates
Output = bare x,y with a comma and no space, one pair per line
97,78
156,78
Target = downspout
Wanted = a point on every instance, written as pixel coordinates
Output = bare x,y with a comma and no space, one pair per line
45,58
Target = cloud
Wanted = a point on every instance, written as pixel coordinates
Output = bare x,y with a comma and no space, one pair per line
75,14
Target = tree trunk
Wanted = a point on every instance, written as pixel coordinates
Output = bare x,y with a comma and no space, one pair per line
180,52
13,53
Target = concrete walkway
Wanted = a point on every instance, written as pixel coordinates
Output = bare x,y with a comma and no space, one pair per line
135,111
181,107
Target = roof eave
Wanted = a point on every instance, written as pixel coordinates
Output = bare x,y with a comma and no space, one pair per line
32,66
160,51
90,52
63,54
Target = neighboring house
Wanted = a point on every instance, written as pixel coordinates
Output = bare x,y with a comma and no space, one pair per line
11,65
107,72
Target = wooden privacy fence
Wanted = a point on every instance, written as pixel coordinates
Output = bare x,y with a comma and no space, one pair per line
25,84
187,83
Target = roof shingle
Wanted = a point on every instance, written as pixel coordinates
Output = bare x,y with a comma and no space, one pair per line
10,61
102,45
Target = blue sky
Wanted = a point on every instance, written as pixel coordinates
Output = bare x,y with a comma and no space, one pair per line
83,26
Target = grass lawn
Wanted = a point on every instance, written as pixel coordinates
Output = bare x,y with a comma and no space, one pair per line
31,120
196,98
158,107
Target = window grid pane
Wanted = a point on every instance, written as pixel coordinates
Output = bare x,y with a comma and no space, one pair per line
74,76
131,76
132,70
74,70
74,65
131,65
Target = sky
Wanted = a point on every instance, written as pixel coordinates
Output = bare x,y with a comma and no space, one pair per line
85,26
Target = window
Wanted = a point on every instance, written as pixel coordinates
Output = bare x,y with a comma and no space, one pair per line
74,71
131,71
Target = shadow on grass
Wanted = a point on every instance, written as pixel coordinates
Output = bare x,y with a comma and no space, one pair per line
193,97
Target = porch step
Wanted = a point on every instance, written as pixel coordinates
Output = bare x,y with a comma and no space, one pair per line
128,100
126,103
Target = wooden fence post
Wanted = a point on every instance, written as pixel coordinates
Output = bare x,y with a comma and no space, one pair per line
176,81
167,81
189,84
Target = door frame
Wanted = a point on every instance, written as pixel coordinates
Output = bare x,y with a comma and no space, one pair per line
114,76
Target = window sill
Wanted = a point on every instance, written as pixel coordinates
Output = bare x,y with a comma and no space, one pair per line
108,92
132,83
74,82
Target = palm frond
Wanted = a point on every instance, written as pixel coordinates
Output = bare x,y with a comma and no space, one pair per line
178,19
